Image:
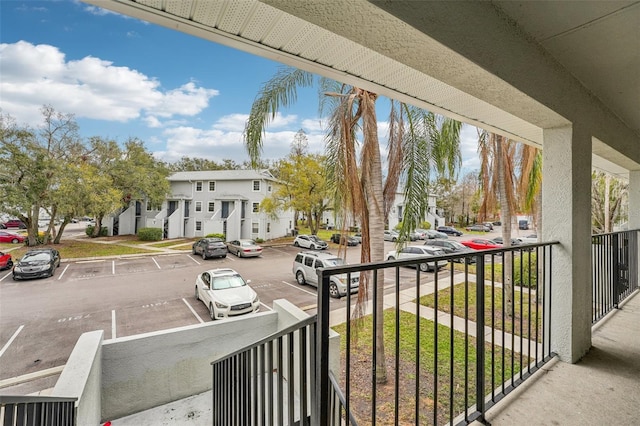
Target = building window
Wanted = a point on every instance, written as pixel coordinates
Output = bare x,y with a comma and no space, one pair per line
198,206
269,188
198,186
268,226
212,207
212,185
399,211
255,228
149,207
256,185
198,225
256,207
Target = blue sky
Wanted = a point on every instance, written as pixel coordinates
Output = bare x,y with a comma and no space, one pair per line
121,78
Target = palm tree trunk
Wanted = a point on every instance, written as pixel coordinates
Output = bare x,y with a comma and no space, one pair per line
505,212
375,198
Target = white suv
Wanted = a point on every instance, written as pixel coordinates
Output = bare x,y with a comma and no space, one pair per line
306,263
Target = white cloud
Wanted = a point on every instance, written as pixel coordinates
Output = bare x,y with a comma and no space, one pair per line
34,75
231,123
469,149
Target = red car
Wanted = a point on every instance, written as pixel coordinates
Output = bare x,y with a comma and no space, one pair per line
10,237
5,261
481,244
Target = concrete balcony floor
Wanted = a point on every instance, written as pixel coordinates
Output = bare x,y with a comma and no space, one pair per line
602,388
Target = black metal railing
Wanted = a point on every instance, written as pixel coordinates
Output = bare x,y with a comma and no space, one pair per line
445,361
614,260
37,410
270,382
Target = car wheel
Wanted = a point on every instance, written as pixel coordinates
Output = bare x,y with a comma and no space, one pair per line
212,313
239,253
300,278
391,258
295,244
313,247
193,251
51,272
9,264
204,256
424,267
15,241
333,291
394,239
196,294
15,278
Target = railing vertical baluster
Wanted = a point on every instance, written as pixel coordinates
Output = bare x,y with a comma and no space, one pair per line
279,382
375,347
480,340
348,345
493,333
321,417
396,408
291,379
452,328
303,375
269,372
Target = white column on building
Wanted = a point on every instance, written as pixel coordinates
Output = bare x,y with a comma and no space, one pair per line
634,199
566,204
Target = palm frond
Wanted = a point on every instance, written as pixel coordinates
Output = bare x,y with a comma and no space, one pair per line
280,91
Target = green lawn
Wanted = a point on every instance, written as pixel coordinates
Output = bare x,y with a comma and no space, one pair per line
528,312
414,364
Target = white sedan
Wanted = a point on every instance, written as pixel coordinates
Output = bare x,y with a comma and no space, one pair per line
226,293
411,252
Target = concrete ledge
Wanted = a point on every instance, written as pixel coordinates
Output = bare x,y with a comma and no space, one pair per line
81,377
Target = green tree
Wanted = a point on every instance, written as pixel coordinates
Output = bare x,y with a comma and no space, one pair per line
33,162
607,197
417,141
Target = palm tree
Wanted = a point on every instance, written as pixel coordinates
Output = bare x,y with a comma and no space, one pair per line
497,176
417,141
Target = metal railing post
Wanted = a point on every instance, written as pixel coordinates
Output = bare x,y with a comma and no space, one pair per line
480,339
321,417
616,270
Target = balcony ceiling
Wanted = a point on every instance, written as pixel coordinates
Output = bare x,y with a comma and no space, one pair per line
441,55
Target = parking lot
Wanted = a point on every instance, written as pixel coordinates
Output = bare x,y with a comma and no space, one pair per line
40,320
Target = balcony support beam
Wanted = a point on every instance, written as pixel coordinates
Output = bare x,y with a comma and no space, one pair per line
566,212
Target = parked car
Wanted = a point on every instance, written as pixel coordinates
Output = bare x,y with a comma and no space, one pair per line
452,247
391,236
10,237
411,252
529,239
449,230
5,261
480,244
244,248
421,233
14,223
478,227
433,234
225,293
311,242
358,237
514,241
37,263
304,269
209,247
344,239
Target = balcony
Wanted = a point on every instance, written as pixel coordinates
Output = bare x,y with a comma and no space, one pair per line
299,371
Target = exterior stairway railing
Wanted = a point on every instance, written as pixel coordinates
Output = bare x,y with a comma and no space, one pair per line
37,410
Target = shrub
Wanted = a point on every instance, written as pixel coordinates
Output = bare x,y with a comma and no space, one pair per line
259,240
104,231
150,234
222,236
425,225
525,279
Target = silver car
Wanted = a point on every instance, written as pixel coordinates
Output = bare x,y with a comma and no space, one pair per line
411,252
225,293
304,269
244,248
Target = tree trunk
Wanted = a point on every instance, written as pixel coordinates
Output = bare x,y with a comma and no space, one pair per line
505,214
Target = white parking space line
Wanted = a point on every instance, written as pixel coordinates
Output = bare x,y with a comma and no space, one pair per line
193,259
297,287
278,250
89,261
63,271
266,306
154,261
113,324
113,267
6,346
230,258
8,273
193,311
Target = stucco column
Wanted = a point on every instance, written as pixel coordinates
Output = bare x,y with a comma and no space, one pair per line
634,199
566,216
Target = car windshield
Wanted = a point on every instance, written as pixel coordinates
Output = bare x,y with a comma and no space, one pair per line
314,238
336,261
457,245
247,243
229,281
36,256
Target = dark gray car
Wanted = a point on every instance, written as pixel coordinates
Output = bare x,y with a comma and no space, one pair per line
450,247
210,247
